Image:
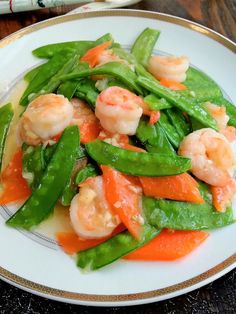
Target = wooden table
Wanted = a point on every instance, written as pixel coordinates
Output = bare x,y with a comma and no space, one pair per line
218,297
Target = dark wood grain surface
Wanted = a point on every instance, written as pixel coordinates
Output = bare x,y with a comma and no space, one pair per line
217,297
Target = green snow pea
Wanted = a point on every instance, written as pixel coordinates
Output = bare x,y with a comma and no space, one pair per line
137,163
29,76
139,68
87,91
120,71
6,115
200,86
45,73
155,103
114,248
81,47
33,164
153,138
179,122
50,50
144,44
55,81
180,101
56,175
69,88
71,187
170,130
89,171
185,216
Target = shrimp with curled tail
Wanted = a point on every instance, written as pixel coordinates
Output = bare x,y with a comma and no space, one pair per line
90,214
211,156
119,110
169,67
46,116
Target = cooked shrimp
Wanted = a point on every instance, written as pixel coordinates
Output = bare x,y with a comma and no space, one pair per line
211,155
119,110
45,117
169,67
90,213
218,113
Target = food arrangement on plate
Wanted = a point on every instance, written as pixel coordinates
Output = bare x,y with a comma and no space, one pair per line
136,146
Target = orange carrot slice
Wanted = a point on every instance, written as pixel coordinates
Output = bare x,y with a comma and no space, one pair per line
172,84
15,187
92,55
124,198
181,187
71,243
89,131
169,246
221,195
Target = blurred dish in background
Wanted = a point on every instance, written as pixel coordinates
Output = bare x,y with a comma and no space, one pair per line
11,6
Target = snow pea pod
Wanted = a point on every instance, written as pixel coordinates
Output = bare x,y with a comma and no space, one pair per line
200,86
33,165
179,101
87,91
71,187
144,44
55,81
113,249
139,68
153,138
137,163
169,129
43,199
6,115
46,72
185,216
179,122
68,88
48,51
156,103
89,171
29,76
81,47
119,70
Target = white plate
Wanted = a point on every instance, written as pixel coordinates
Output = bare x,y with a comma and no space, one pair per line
33,262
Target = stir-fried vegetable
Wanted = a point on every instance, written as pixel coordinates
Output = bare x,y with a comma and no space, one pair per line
43,199
139,165
6,115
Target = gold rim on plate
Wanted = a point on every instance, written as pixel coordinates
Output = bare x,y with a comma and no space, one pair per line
116,299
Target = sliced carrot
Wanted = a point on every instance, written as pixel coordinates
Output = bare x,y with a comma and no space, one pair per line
124,198
221,195
169,246
181,187
89,131
172,84
92,55
15,187
71,243
230,133
133,148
